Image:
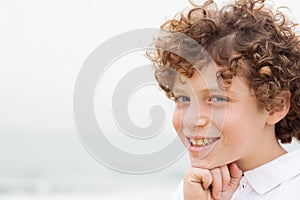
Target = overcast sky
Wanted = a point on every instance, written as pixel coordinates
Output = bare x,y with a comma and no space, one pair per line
44,44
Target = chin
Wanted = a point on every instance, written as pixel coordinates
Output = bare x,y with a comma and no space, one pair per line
203,163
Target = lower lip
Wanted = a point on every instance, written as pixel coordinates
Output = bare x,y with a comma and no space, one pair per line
197,149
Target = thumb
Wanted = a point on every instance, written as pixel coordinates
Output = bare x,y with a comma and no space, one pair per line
236,175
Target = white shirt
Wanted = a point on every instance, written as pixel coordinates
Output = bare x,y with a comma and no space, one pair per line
276,180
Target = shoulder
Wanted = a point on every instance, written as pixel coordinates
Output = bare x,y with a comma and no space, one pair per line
288,172
289,189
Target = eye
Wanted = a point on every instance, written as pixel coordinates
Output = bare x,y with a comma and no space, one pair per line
218,99
182,99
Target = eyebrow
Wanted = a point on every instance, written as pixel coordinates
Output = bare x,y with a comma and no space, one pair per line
209,90
178,90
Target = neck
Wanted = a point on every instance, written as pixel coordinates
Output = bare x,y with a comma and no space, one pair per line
265,151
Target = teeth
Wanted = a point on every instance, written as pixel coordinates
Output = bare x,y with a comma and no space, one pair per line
201,142
194,142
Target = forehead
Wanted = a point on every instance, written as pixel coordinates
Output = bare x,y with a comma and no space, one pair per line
204,78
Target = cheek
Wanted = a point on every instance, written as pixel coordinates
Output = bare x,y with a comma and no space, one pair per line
236,133
177,118
177,123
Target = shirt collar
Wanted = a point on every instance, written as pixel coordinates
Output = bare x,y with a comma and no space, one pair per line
270,175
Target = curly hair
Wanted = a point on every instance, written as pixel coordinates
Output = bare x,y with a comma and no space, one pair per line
245,37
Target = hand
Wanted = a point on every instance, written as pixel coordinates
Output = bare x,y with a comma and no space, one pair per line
217,183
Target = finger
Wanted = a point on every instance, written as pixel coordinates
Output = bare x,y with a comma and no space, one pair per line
235,174
235,171
198,175
207,179
216,183
225,177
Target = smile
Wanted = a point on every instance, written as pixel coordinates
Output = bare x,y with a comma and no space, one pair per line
202,142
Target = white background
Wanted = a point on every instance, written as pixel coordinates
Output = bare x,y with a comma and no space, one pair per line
42,47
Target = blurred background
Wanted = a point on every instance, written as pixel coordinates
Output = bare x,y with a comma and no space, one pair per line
43,45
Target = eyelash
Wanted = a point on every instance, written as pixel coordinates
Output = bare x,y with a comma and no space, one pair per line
213,99
218,99
180,99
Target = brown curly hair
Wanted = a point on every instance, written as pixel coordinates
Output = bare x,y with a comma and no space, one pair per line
245,37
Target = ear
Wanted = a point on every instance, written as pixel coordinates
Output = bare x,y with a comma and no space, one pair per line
278,113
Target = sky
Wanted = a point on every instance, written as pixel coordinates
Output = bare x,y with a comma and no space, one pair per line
45,43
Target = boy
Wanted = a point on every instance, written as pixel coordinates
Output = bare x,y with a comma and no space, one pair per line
234,75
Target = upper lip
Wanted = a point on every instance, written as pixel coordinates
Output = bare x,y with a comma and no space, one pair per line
200,137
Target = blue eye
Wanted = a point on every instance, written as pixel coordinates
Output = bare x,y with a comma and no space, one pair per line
182,99
218,99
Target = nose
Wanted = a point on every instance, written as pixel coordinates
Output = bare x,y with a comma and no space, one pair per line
196,116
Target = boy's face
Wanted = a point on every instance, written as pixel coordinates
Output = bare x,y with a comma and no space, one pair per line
218,126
